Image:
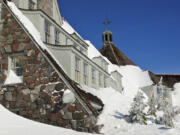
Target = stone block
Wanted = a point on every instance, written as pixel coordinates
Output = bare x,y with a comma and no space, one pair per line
80,123
74,124
71,108
8,96
59,86
34,97
1,97
67,115
8,49
26,91
78,115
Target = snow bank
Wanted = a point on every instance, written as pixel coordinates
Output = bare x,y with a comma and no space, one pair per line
117,105
12,78
11,124
31,29
176,95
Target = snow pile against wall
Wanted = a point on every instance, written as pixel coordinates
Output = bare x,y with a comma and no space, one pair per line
12,124
12,78
176,95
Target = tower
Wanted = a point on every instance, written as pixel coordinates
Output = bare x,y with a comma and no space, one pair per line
107,38
107,35
110,51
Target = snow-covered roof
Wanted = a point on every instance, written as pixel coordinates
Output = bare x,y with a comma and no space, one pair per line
68,28
93,52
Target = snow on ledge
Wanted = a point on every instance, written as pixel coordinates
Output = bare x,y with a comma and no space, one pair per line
12,78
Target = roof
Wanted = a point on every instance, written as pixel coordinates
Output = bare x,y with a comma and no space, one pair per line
168,79
116,56
34,35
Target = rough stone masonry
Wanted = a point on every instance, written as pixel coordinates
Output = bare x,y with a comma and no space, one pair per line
39,96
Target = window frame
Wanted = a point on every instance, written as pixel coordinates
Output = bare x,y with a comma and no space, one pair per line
85,73
100,79
77,69
57,33
31,4
93,75
47,31
105,85
18,69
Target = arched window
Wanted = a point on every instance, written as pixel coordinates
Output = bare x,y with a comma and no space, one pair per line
106,37
110,38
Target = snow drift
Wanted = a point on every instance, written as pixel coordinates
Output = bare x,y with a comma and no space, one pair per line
12,124
176,95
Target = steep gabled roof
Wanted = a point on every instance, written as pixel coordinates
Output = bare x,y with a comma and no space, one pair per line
34,35
116,56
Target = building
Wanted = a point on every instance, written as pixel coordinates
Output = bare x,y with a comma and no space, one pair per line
69,48
33,83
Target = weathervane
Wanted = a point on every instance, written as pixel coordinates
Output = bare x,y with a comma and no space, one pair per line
106,23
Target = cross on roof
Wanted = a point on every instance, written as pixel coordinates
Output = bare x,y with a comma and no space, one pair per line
106,23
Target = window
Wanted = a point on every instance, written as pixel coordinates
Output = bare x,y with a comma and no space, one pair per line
77,69
158,90
56,37
47,32
106,37
93,76
16,65
1,69
110,38
105,82
100,79
81,50
31,4
85,73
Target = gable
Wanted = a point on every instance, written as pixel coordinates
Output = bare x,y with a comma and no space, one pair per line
56,12
44,81
16,32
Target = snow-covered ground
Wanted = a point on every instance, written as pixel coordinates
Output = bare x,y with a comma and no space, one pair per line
11,124
118,104
176,95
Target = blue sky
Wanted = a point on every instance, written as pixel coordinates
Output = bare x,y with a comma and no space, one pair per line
147,31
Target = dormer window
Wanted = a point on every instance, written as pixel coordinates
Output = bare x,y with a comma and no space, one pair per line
47,32
56,37
31,4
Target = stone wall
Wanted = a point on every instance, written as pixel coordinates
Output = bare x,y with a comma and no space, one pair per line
39,96
46,6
